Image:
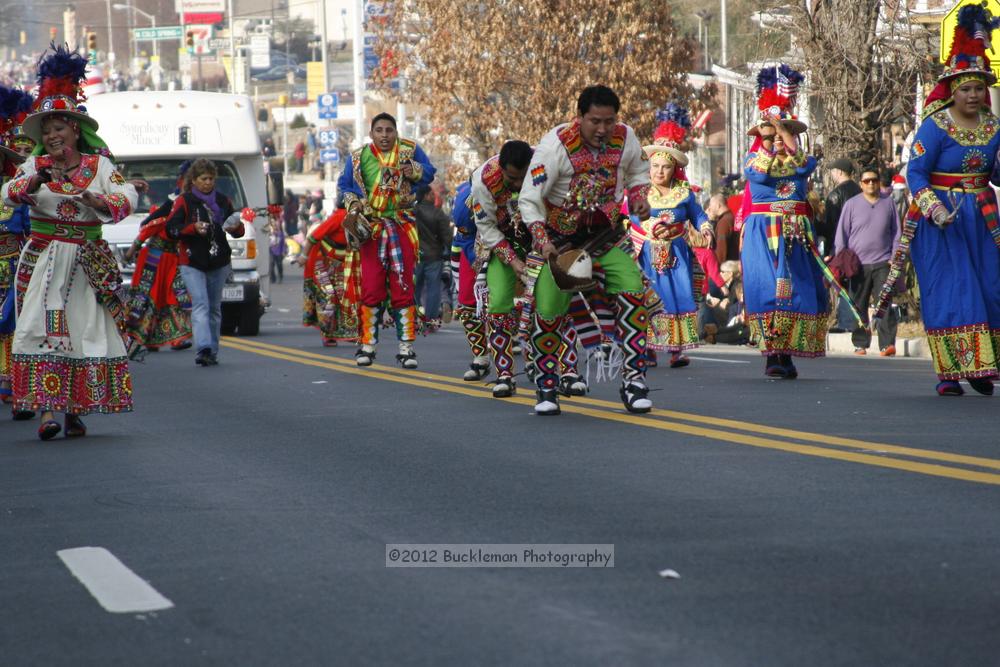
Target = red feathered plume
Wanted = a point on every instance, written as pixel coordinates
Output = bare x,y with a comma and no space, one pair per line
770,98
61,73
669,133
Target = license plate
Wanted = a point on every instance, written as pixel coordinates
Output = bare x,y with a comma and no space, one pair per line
232,293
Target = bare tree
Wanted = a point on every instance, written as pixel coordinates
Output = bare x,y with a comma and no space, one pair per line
492,71
864,58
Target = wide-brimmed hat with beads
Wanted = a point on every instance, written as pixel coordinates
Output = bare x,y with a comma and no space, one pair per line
15,104
60,78
671,134
967,57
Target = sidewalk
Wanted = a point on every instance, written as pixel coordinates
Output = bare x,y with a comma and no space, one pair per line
303,183
840,343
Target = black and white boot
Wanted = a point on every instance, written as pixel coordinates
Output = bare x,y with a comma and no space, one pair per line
548,402
406,358
365,355
573,385
504,387
478,369
634,396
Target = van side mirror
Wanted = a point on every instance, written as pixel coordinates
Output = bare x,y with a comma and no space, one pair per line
275,188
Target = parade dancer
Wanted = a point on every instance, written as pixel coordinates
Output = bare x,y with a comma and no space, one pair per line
331,285
787,303
159,307
69,352
15,225
570,200
952,228
663,243
463,257
377,185
502,244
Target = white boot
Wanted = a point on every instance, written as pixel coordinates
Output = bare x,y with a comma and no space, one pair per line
478,369
365,355
406,358
633,393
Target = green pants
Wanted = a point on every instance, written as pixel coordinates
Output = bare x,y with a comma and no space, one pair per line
621,274
501,281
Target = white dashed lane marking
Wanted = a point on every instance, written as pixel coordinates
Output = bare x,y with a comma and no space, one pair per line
115,587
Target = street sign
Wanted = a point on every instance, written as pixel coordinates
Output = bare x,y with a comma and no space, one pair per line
201,35
158,34
375,8
222,43
328,103
328,137
331,155
949,22
260,52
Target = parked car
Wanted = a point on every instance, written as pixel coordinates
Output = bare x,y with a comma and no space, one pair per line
280,73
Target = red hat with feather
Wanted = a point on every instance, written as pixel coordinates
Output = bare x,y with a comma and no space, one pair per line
777,91
60,77
670,136
967,58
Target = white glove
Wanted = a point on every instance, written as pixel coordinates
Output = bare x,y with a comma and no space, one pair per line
940,217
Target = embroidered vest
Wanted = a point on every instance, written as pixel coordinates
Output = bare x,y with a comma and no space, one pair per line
594,182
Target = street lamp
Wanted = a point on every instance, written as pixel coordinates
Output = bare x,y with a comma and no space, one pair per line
150,17
111,39
703,16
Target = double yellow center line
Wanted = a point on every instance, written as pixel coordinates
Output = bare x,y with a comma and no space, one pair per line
923,461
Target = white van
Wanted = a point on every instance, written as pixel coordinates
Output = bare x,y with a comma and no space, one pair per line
151,133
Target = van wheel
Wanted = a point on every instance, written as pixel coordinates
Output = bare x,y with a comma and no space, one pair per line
249,319
230,318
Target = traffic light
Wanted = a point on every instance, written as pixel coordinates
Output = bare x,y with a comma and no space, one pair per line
53,33
92,41
189,40
24,38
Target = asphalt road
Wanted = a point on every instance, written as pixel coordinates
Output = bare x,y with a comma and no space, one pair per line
845,518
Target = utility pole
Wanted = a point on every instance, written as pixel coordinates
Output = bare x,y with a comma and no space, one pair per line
359,70
111,33
722,24
232,47
324,49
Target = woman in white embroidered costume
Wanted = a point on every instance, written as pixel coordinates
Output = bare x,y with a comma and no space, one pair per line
69,353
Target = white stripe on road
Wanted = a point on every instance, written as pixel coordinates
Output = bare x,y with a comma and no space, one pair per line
721,361
118,589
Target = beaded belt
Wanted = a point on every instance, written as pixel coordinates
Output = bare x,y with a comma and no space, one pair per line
788,207
76,232
9,245
158,243
960,182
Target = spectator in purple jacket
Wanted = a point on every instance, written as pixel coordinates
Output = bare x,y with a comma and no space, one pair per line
869,225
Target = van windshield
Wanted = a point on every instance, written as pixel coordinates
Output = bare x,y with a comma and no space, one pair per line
162,178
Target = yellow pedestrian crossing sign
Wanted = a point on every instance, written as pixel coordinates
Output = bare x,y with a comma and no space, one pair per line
949,22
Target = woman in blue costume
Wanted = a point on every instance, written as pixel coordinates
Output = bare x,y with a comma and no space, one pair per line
15,226
787,305
662,241
953,223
